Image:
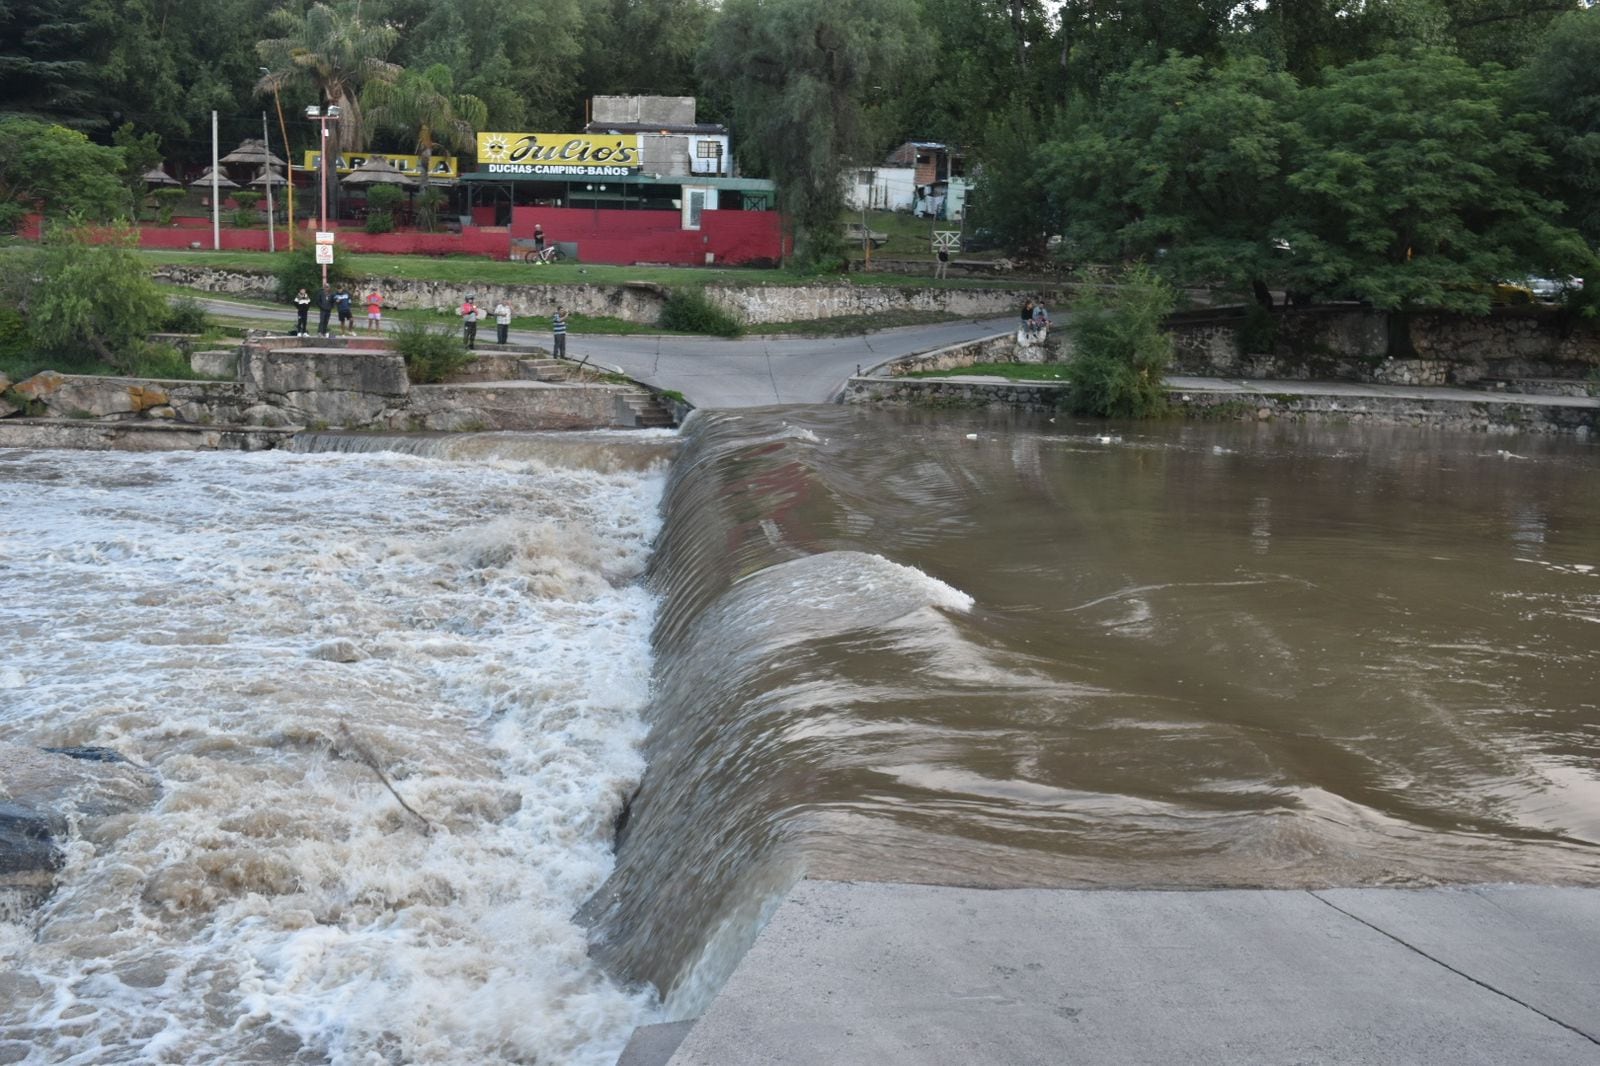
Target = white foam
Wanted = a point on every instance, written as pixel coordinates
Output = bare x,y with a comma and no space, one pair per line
192,611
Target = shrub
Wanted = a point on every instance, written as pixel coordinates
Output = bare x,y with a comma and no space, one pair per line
185,315
429,203
161,361
167,201
300,271
432,353
94,296
380,222
244,218
247,199
1120,346
689,311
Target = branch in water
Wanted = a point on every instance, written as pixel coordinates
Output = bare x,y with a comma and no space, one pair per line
364,753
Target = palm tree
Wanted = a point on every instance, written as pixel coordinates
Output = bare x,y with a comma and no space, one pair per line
442,119
427,103
331,51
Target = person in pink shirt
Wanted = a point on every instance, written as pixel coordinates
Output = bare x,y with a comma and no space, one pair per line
375,311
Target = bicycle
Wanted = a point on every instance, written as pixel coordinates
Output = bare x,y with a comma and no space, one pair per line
550,253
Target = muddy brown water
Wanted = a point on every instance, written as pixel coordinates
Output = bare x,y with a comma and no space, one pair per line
1015,651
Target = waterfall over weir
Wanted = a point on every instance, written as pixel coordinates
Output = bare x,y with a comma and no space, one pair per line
995,650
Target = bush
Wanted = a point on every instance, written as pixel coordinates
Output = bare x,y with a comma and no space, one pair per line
432,353
688,311
13,334
380,222
244,218
92,296
1121,348
167,201
160,361
247,199
302,272
430,202
185,315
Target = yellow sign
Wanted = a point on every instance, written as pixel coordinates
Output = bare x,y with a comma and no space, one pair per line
440,166
560,154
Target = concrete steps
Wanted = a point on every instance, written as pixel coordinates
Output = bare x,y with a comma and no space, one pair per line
647,410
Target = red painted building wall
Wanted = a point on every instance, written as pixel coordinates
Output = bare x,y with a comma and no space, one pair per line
628,237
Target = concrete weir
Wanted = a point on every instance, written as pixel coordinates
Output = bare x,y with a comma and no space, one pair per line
890,974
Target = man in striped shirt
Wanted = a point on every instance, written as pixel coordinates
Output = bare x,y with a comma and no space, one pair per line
558,323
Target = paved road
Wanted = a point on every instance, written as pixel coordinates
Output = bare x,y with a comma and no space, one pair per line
748,372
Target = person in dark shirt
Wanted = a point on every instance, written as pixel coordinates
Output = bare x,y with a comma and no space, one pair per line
302,307
325,307
347,319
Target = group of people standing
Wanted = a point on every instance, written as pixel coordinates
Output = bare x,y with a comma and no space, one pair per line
331,300
471,314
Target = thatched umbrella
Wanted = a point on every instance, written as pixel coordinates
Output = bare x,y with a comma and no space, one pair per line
157,176
252,151
222,181
267,176
378,171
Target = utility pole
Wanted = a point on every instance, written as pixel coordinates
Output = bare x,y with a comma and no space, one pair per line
266,172
288,161
216,191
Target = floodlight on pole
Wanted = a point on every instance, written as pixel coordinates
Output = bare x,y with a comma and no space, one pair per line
322,117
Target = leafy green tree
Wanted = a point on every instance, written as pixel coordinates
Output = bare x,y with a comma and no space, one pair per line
522,58
1180,159
1011,201
644,46
1561,80
55,170
1415,184
799,73
1120,347
94,292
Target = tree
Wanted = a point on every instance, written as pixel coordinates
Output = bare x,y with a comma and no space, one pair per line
94,292
334,52
1416,184
799,73
1180,159
435,117
1560,79
45,71
54,170
1120,347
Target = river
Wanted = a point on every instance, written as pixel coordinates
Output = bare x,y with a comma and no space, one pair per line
994,650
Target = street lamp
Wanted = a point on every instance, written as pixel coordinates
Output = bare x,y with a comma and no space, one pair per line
288,160
322,116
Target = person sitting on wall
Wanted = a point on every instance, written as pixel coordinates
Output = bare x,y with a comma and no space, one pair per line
1041,319
469,321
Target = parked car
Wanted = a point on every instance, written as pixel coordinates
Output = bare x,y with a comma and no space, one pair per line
1552,290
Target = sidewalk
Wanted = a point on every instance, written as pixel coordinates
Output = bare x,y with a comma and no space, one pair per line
914,975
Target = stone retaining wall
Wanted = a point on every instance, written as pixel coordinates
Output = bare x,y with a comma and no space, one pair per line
943,392
1350,344
1485,416
753,305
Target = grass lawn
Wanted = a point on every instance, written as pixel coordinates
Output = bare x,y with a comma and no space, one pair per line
475,270
1010,371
